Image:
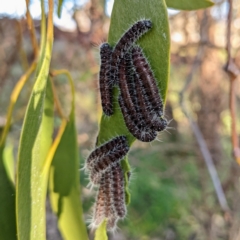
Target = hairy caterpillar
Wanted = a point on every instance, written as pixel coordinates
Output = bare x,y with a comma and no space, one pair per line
144,71
148,112
111,159
105,80
128,38
106,155
118,194
103,150
110,201
99,207
142,133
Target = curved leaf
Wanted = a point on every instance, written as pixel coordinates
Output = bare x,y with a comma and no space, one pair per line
189,4
7,204
64,189
101,232
8,160
35,142
64,185
59,11
156,46
13,99
36,139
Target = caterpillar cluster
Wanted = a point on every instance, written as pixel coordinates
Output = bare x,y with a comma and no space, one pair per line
126,66
103,165
110,60
139,99
141,105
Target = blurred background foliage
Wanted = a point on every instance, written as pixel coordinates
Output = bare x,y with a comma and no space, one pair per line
172,193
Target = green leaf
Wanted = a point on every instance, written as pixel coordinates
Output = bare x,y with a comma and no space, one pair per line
156,46
7,204
35,142
101,232
8,161
36,139
64,175
189,4
59,11
64,185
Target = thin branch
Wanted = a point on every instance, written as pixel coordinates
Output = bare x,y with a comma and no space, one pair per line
22,53
13,99
199,137
208,160
233,73
194,68
56,101
229,26
31,28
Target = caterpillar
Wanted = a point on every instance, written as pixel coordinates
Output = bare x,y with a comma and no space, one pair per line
144,71
99,207
110,213
142,106
142,133
105,83
118,194
128,38
131,85
110,202
139,115
103,150
106,155
148,112
131,35
127,88
103,164
128,102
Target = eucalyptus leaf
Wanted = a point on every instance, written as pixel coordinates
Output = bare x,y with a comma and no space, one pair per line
101,232
59,11
36,139
156,47
7,203
8,160
189,4
64,189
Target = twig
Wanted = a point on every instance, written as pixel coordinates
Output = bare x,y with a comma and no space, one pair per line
54,73
208,160
13,99
22,53
194,68
199,137
56,100
31,28
233,72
